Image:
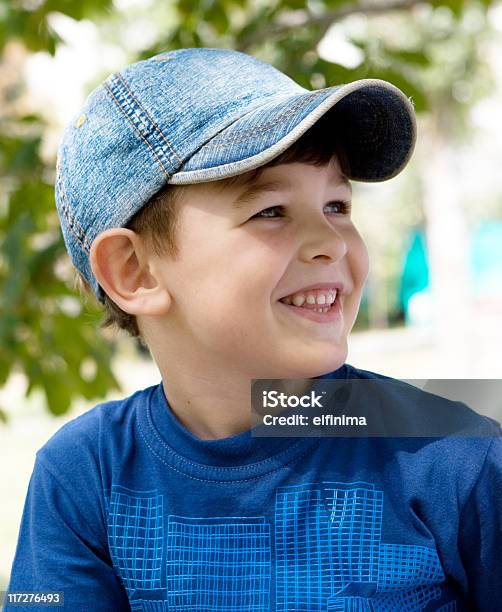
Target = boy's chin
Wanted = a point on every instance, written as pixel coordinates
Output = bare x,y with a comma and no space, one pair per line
312,367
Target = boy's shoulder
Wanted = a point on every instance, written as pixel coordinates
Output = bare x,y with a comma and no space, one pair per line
461,462
102,426
407,402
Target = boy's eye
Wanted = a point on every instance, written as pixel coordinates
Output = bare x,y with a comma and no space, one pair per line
344,208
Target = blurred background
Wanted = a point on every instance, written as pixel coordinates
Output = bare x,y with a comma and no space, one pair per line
432,306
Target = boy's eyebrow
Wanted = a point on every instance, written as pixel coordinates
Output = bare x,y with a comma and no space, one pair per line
253,191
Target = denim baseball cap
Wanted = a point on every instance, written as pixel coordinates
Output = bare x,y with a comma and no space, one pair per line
202,114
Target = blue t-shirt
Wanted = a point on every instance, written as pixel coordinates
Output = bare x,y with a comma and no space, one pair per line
126,509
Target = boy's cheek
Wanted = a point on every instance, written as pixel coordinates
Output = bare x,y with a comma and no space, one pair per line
358,256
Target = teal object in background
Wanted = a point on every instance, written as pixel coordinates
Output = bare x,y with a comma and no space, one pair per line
485,264
486,259
415,274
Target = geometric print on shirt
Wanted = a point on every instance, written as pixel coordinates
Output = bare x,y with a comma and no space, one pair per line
328,555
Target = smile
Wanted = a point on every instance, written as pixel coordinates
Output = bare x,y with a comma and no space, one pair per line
333,314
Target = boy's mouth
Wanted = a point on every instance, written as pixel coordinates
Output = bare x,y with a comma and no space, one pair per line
320,300
315,312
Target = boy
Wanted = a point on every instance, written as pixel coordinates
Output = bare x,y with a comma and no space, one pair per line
204,197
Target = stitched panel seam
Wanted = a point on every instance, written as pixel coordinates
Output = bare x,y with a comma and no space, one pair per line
138,131
215,468
150,118
222,481
138,123
73,225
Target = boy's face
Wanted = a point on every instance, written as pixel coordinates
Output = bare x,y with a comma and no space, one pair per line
234,267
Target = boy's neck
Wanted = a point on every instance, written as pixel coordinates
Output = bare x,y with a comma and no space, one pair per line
210,416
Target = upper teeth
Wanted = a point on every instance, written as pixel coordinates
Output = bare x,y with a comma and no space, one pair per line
323,297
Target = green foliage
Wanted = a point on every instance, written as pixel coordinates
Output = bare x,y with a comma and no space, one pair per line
38,335
45,331
32,27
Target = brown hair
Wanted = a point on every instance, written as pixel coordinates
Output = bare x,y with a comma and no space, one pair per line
156,221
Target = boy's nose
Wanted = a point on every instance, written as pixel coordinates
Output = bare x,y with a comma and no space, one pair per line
322,240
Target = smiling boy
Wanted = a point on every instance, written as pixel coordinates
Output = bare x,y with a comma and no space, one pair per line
236,262
165,500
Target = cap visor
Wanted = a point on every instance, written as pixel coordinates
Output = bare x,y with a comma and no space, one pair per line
373,119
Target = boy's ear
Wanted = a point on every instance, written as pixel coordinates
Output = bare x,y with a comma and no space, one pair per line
120,264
